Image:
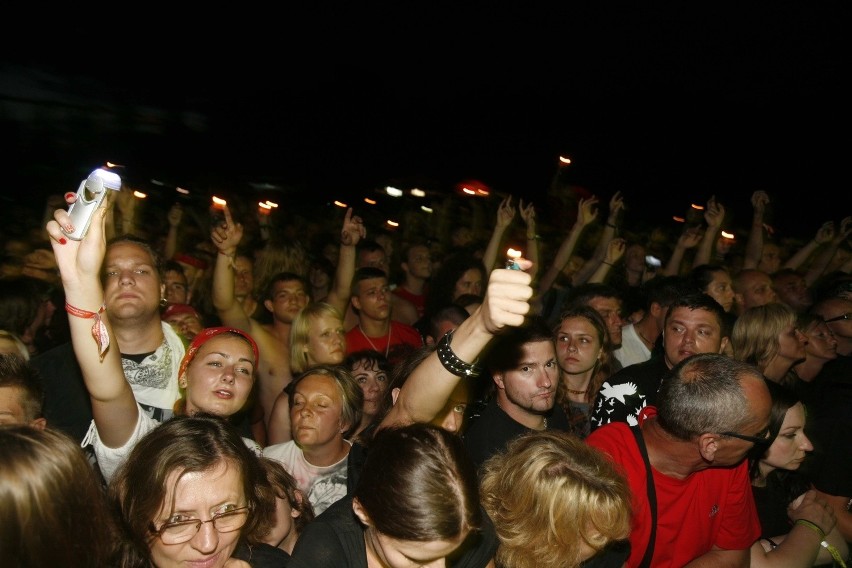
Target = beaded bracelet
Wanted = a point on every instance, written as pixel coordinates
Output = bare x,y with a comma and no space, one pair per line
452,363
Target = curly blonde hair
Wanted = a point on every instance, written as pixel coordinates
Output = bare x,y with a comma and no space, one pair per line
551,498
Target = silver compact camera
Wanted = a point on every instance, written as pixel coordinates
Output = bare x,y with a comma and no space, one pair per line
90,195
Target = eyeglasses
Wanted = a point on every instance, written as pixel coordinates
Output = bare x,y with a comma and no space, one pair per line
753,439
845,316
176,533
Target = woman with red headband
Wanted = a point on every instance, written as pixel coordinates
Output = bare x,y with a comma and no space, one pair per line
215,376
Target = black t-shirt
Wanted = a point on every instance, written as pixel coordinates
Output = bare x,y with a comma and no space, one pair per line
830,430
262,556
492,430
628,391
335,539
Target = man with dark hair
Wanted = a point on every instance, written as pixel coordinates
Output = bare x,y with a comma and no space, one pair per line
685,464
416,267
639,339
695,323
522,364
371,301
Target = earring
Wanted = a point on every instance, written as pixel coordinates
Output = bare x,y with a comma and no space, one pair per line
163,302
182,384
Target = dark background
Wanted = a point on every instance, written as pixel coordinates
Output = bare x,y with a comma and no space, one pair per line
669,106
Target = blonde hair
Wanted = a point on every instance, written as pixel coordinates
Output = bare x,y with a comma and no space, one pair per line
19,344
755,335
300,332
548,494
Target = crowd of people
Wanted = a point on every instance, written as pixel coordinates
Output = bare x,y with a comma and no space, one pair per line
246,389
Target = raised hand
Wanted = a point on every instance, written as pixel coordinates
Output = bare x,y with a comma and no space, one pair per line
78,261
690,237
615,250
353,229
587,211
507,297
759,200
527,213
228,235
175,215
505,213
825,233
616,204
714,214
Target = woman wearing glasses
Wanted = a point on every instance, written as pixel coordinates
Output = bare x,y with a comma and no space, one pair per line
192,493
783,496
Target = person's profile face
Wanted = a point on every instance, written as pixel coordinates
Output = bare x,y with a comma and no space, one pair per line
790,447
199,495
821,342
791,344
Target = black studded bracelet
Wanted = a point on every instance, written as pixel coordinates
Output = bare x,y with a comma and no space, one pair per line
452,363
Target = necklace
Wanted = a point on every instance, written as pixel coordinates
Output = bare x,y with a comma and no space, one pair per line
373,345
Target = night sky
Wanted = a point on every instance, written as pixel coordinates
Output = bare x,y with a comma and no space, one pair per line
667,107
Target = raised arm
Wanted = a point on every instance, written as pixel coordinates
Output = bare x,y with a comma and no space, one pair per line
586,213
505,215
428,388
822,260
227,238
689,238
174,218
616,205
113,404
714,216
528,215
614,251
352,232
754,245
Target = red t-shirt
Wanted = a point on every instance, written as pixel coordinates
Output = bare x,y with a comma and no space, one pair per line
400,333
419,300
711,507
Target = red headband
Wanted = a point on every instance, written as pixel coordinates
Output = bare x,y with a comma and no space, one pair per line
191,260
207,334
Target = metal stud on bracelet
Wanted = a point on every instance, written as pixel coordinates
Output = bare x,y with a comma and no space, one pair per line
452,363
